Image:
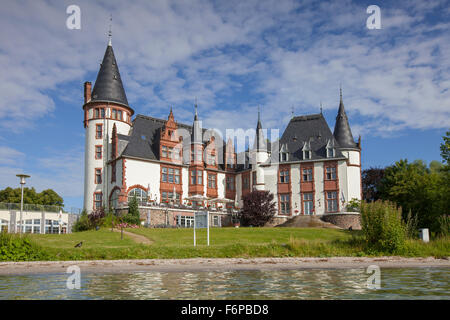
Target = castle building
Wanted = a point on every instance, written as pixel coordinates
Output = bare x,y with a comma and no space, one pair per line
174,168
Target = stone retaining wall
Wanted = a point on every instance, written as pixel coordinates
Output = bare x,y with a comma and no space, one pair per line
344,220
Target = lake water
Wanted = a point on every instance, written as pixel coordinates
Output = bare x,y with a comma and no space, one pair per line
410,283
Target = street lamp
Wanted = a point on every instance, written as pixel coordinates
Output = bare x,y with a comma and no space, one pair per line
22,182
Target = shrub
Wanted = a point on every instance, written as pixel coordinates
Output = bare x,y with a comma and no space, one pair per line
82,223
354,205
444,225
382,226
412,223
96,217
133,216
19,248
258,209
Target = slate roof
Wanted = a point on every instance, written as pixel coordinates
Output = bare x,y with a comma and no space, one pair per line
342,131
144,139
312,130
108,86
309,128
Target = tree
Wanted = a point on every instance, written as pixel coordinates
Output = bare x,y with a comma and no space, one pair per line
445,148
258,209
371,181
133,216
418,189
30,196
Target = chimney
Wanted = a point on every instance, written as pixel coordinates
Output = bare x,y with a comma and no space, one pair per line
87,91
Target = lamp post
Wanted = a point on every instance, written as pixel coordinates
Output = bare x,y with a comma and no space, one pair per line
22,182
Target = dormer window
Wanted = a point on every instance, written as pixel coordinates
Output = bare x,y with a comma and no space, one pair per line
330,153
307,153
284,154
331,150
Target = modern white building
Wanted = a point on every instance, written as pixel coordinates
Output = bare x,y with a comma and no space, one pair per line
309,170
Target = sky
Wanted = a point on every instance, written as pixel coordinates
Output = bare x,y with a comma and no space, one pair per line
232,56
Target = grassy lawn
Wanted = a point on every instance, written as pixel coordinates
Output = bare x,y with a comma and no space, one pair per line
225,243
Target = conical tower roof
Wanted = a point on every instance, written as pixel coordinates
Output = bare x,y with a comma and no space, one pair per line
108,86
342,131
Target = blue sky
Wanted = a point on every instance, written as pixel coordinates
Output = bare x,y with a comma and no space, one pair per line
232,56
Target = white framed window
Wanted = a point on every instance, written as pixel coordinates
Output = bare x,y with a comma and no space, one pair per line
308,203
140,194
331,201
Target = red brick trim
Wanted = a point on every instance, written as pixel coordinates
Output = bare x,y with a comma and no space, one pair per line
137,186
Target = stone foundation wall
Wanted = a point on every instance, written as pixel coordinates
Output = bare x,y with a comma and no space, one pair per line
276,221
344,220
160,217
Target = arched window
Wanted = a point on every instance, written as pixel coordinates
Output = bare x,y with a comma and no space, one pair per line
140,194
114,200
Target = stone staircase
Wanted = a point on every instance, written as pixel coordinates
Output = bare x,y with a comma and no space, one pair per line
307,222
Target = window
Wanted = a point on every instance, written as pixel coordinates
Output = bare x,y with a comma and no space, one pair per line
307,174
170,175
98,152
330,152
140,194
119,114
284,176
332,201
98,200
197,155
211,159
330,173
4,224
185,221
308,204
230,183
306,154
114,201
113,172
283,156
211,181
52,226
98,175
164,152
99,113
114,113
285,203
230,161
169,197
98,131
246,182
253,177
216,221
196,177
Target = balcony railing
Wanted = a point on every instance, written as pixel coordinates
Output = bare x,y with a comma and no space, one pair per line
175,205
37,207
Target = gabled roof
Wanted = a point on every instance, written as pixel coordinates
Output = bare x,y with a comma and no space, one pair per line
144,139
108,86
311,131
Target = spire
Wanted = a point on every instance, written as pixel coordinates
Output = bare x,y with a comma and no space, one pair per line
196,114
259,139
196,136
342,131
108,86
110,31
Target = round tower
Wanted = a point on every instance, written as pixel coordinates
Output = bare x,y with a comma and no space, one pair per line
104,107
351,150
